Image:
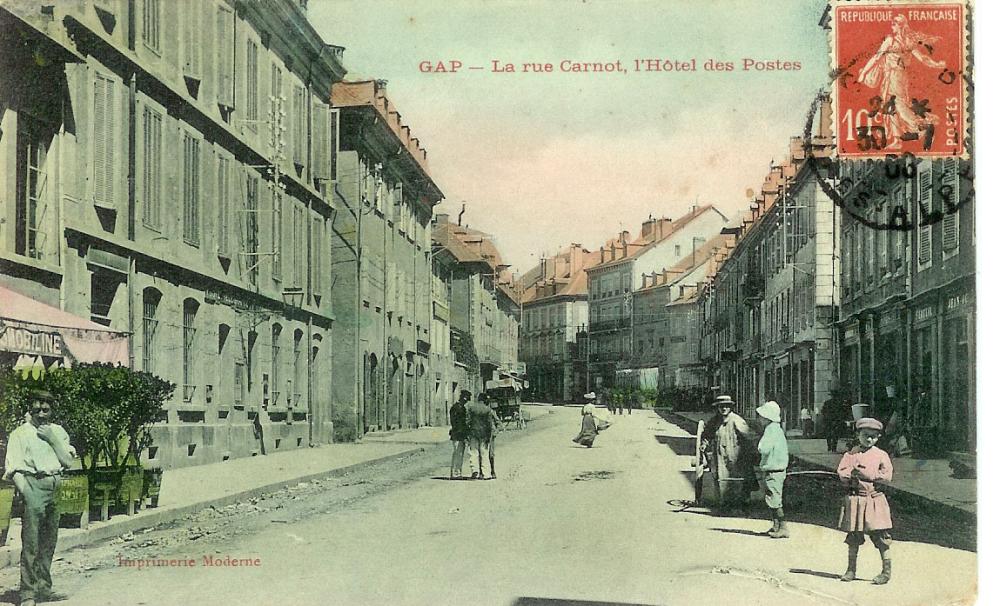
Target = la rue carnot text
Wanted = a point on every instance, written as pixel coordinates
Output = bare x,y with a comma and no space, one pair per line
618,66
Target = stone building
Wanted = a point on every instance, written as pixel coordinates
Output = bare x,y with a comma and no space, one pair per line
555,305
167,174
384,177
611,282
768,314
907,325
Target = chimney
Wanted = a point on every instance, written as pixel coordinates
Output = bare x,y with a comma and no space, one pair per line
624,237
561,265
648,226
543,265
440,219
661,227
645,280
575,258
603,258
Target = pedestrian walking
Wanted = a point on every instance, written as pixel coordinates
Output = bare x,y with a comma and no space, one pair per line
834,417
725,438
478,414
459,433
37,453
620,402
494,432
805,415
630,400
588,427
773,449
865,509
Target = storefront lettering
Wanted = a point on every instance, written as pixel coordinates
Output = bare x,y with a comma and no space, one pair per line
925,313
958,301
21,340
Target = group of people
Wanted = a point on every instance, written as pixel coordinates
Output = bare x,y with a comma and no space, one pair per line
474,428
739,469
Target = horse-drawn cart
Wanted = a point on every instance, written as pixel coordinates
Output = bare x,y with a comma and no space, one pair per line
504,395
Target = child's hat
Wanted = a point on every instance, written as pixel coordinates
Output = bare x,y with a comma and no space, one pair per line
868,423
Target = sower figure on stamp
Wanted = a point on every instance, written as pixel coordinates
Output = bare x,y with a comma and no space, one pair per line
37,453
866,509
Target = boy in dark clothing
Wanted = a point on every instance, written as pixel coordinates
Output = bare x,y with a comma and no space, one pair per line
459,433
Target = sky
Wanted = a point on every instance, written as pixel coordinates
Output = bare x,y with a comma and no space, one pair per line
542,160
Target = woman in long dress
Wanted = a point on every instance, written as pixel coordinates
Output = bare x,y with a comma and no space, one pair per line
588,427
887,72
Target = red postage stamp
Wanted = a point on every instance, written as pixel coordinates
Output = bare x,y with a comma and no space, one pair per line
900,78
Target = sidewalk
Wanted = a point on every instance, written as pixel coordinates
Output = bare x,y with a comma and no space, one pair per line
929,480
191,489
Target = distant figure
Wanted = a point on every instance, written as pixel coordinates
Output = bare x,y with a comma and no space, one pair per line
727,434
773,448
866,509
494,432
834,419
37,453
480,430
588,427
459,433
805,415
630,398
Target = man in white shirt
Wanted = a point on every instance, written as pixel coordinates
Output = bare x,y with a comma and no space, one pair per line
37,453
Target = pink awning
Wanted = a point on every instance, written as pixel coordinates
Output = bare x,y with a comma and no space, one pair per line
33,327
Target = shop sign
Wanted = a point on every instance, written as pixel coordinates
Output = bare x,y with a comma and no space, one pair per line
958,301
27,341
925,313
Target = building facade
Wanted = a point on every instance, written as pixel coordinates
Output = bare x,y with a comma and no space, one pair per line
662,243
167,175
383,175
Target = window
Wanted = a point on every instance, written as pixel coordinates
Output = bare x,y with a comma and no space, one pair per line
252,99
276,103
189,332
316,263
224,56
150,302
104,143
298,238
925,201
193,43
239,371
297,368
276,229
250,234
32,182
299,111
152,171
276,364
151,25
321,141
950,196
192,190
224,206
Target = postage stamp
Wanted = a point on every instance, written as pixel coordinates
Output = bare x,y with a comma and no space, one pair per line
900,78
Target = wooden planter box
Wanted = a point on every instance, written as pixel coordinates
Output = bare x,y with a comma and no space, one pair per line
6,505
113,487
73,497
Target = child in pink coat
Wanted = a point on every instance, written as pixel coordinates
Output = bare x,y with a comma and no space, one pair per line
865,509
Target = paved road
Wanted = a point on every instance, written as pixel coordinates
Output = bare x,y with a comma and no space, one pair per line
562,525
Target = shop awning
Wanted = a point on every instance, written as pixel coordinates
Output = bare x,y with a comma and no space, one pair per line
30,327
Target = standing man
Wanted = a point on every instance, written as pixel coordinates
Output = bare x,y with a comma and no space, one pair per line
494,432
731,453
459,433
37,453
805,415
479,433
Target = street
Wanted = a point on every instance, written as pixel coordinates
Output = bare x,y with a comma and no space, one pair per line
562,525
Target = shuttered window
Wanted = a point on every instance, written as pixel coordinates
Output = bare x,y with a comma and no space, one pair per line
151,24
192,190
950,199
224,56
152,163
150,302
277,226
299,116
316,264
299,245
250,235
321,142
191,22
189,333
252,99
924,200
104,144
223,191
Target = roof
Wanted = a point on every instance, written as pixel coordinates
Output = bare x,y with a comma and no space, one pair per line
691,262
645,243
473,246
562,280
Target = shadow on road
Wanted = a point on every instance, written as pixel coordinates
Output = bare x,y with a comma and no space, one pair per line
749,533
523,601
682,446
815,573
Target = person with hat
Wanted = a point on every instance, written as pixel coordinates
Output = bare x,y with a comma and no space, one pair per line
725,438
865,508
459,433
773,449
37,453
588,426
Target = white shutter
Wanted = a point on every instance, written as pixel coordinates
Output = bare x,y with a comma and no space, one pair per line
321,141
224,56
224,206
192,41
104,141
276,234
949,226
924,200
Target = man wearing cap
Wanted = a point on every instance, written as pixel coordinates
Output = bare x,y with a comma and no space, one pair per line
37,453
728,432
773,450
